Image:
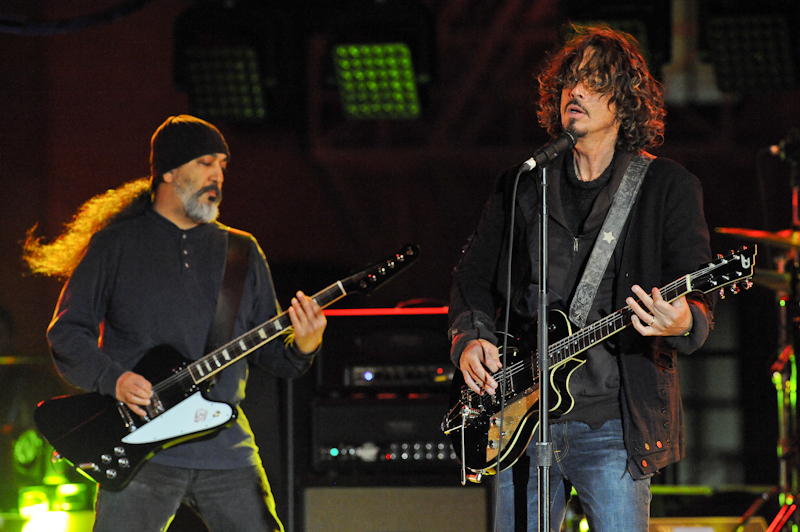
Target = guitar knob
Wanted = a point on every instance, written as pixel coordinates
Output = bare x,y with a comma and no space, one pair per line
119,451
111,473
123,462
106,459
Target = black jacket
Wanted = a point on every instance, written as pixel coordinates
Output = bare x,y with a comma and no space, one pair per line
665,237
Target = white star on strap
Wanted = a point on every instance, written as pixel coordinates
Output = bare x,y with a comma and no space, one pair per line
608,236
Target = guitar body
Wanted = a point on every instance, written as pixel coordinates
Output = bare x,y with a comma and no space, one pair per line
108,443
481,433
473,422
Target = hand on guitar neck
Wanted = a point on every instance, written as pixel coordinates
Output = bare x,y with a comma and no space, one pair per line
653,316
308,322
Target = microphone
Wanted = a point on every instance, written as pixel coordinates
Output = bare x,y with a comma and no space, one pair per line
547,153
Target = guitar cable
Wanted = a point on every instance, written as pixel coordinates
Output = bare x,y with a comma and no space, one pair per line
506,320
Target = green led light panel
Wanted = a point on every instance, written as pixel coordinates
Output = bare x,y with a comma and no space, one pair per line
225,83
376,81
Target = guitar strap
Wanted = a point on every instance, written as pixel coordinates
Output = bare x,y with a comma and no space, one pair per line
230,292
607,238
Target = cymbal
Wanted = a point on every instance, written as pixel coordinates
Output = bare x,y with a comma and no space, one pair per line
788,238
776,281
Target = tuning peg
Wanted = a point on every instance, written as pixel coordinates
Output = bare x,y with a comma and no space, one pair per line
722,293
719,255
735,288
748,284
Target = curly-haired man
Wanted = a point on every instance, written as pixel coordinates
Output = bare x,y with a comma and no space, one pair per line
619,419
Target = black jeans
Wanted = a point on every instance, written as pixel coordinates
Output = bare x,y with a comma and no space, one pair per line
227,499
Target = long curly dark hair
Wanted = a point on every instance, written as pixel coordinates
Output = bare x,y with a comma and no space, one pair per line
616,68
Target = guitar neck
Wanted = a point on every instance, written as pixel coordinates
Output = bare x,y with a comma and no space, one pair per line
214,362
613,323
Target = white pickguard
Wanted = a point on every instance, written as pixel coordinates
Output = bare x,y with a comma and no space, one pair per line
193,414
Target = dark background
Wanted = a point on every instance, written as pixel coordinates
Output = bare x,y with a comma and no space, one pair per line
325,196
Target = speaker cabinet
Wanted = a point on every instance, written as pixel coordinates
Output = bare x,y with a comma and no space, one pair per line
396,509
705,524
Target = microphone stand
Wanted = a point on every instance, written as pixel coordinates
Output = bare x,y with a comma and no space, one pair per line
544,445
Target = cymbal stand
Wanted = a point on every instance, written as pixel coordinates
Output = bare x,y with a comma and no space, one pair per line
784,369
784,377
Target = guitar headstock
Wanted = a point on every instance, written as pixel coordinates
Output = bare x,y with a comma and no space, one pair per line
728,270
377,274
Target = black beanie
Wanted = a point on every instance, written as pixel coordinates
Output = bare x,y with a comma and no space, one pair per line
179,140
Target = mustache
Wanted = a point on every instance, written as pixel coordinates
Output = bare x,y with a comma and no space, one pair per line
577,104
209,188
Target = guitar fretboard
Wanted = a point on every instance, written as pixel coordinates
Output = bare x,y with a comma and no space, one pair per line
240,347
214,362
613,323
574,344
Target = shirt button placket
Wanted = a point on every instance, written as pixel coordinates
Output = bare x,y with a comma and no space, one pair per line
184,252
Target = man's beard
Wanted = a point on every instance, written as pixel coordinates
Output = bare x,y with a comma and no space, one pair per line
575,132
196,210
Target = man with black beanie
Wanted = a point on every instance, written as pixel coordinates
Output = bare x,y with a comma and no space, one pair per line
151,276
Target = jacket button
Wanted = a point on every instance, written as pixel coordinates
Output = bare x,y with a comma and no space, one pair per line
663,409
663,393
644,463
659,444
646,446
666,424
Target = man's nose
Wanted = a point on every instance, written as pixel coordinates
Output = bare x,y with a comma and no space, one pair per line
577,90
218,175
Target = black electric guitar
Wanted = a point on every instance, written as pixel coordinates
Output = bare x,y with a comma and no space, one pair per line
108,443
473,421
